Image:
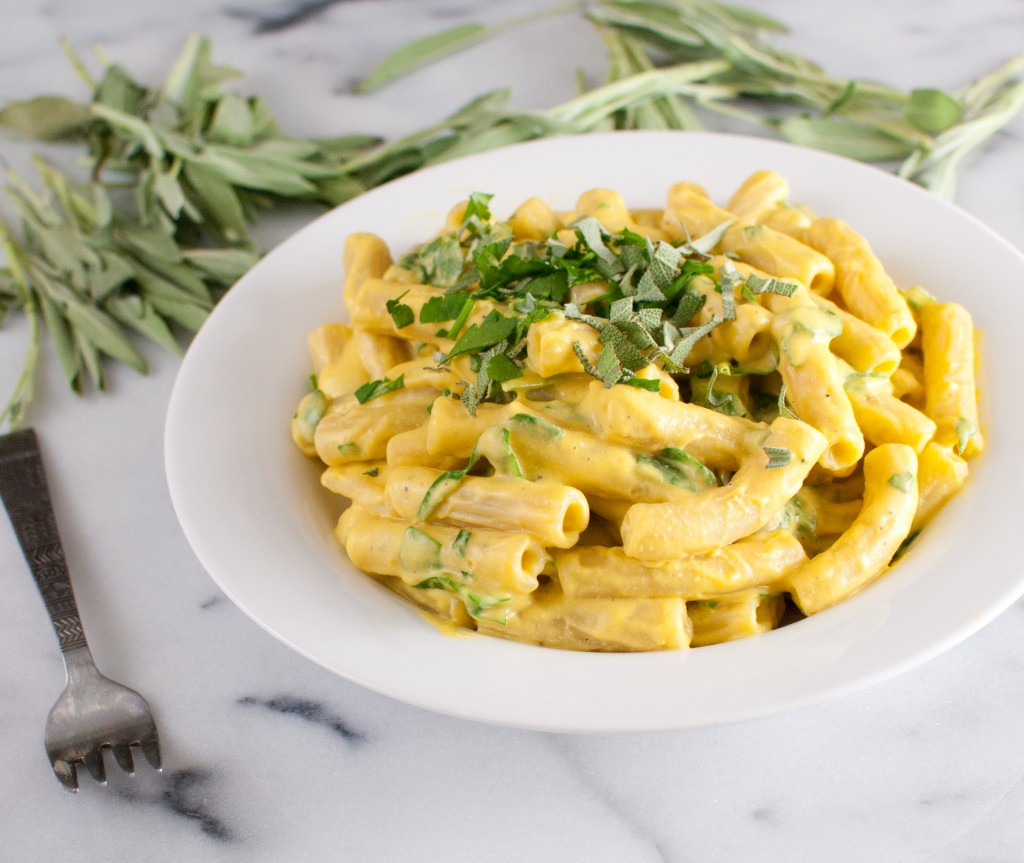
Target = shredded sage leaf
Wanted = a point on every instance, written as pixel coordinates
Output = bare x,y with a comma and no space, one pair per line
778,456
902,481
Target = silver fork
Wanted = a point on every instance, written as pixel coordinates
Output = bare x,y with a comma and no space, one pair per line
93,713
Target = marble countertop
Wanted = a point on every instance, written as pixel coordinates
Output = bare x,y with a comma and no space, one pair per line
270,758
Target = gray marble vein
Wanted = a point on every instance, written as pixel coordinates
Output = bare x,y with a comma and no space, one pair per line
285,15
188,794
308,711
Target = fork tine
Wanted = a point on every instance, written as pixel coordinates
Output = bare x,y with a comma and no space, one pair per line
94,764
66,773
123,756
151,749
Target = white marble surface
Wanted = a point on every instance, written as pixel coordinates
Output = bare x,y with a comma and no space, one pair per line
269,758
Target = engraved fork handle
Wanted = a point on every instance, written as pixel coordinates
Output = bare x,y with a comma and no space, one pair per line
27,499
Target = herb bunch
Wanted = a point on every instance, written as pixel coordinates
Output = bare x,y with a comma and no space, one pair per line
176,175
161,229
672,62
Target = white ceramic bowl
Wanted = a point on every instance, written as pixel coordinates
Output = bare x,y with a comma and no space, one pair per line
252,508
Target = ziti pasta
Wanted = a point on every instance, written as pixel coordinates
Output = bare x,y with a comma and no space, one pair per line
614,429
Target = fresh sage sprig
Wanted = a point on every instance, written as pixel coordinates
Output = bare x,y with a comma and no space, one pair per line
925,133
90,274
197,155
162,229
423,51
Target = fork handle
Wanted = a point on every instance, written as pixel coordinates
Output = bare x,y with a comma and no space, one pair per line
27,499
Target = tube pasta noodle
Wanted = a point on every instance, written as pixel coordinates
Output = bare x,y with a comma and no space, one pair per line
864,551
615,429
610,572
947,342
554,513
861,280
737,615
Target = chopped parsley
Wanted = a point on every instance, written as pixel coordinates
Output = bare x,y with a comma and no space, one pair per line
444,308
401,314
374,389
491,330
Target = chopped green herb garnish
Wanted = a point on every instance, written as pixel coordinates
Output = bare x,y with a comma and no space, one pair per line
465,310
440,262
310,411
704,393
478,207
502,368
783,405
461,541
476,604
400,313
758,285
651,384
917,298
419,551
374,389
446,307
487,333
642,317
509,460
965,430
678,467
902,481
438,582
443,486
532,422
778,456
904,546
704,245
373,471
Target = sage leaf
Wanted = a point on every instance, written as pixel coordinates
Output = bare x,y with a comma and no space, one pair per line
933,110
89,356
421,52
45,118
853,140
63,341
135,312
102,331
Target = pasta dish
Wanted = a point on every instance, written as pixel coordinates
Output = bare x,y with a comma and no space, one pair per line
620,429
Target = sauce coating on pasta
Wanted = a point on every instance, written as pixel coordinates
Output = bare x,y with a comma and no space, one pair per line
618,429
